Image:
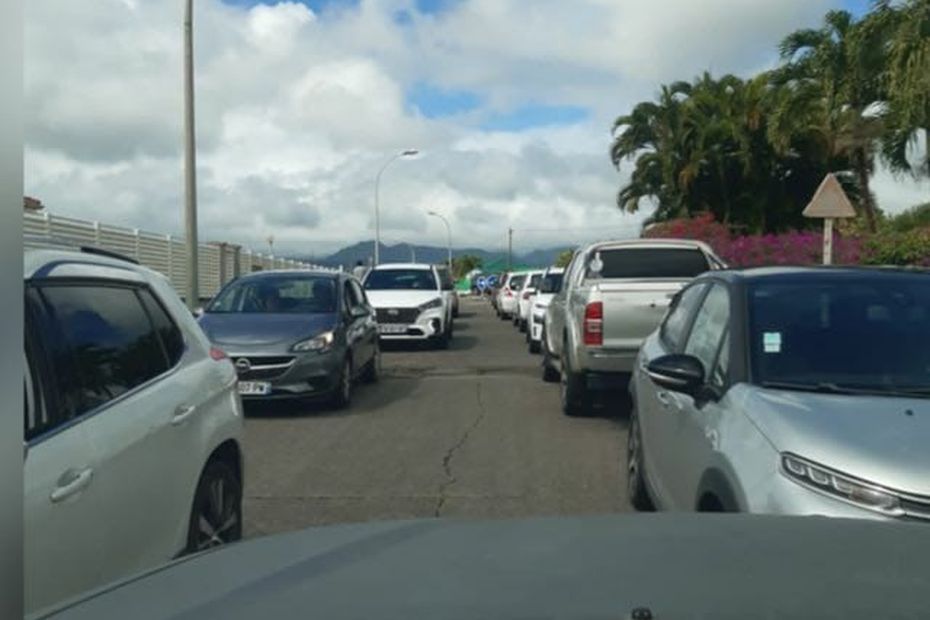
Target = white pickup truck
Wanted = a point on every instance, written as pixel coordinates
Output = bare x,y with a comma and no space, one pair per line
613,295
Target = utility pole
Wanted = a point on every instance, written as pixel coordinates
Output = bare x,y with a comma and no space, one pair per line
407,153
190,161
510,249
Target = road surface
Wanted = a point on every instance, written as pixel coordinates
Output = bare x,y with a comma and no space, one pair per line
469,432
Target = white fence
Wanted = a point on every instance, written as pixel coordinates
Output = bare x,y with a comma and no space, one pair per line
218,263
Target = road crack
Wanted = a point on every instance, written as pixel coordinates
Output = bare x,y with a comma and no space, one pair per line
450,453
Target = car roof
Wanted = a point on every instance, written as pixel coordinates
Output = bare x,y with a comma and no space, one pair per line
257,275
650,243
776,273
422,266
45,263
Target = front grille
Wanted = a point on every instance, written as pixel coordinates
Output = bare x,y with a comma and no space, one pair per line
266,360
262,367
403,316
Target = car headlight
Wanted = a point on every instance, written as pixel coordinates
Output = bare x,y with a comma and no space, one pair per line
433,303
321,343
832,483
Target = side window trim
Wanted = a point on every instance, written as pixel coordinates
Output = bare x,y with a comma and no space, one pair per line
158,301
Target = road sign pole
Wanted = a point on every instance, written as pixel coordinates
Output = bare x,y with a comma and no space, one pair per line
828,241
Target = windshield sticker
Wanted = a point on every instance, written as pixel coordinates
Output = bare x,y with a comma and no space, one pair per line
771,342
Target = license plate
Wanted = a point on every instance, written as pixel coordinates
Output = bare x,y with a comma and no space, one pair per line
392,329
254,388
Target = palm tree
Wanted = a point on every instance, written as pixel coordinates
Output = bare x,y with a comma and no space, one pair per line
835,76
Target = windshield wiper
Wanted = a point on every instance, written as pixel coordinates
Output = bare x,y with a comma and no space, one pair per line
826,387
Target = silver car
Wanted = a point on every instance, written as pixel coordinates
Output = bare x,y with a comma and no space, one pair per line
787,390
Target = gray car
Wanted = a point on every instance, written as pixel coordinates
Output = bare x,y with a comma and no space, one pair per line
296,334
788,390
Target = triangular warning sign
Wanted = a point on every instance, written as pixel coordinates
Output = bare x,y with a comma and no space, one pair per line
830,201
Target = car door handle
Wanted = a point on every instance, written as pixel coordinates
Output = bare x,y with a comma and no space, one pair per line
182,413
71,482
665,398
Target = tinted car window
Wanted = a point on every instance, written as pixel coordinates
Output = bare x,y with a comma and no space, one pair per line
709,325
516,282
170,334
284,294
673,329
869,331
650,263
100,343
401,279
551,283
534,280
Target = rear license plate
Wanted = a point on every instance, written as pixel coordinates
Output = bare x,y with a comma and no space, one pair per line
254,388
392,329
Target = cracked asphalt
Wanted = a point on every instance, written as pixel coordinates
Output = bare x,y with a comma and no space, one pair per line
470,432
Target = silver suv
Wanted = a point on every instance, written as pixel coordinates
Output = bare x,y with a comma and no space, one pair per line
132,426
788,390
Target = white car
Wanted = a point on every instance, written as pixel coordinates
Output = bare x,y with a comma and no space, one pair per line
507,296
525,299
549,285
132,426
410,303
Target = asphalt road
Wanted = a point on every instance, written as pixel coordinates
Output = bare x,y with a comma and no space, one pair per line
469,432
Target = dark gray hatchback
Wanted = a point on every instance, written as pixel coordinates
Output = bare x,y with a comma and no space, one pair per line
296,334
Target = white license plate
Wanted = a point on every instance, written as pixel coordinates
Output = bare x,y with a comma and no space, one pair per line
392,329
254,388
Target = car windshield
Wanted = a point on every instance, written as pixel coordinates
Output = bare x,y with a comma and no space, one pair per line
401,279
675,263
867,333
277,295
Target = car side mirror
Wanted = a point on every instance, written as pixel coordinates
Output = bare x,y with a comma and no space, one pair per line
198,312
677,372
359,312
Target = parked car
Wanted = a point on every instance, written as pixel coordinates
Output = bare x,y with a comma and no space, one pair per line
494,291
549,285
507,297
788,390
296,334
132,426
525,299
448,289
613,295
410,303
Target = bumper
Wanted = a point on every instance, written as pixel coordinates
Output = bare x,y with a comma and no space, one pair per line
607,359
428,325
309,375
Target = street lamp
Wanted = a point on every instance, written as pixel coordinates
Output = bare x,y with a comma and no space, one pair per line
190,160
407,153
449,236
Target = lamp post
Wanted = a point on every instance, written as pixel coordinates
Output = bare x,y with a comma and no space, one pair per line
448,234
407,153
190,160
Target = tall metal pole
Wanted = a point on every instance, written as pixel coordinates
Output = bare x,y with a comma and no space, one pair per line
510,249
407,153
448,236
190,161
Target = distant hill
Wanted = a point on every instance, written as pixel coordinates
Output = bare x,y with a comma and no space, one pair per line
405,252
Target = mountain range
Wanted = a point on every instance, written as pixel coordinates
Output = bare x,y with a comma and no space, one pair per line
405,252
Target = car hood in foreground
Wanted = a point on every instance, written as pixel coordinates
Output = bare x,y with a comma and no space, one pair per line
250,330
877,439
408,298
677,565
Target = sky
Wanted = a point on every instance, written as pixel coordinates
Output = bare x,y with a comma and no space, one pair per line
299,104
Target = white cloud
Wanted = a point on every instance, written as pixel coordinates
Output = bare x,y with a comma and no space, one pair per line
296,111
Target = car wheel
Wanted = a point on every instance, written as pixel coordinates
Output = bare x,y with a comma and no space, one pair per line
373,369
216,515
342,393
573,392
523,329
441,341
549,373
635,469
533,347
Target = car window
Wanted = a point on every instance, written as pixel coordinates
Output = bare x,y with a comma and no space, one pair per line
100,342
516,282
718,377
551,283
679,314
170,334
709,325
357,294
401,279
650,263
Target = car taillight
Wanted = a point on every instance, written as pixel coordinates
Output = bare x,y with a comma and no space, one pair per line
527,295
218,354
509,294
594,324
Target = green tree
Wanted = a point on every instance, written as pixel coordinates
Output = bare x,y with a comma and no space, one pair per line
462,265
564,258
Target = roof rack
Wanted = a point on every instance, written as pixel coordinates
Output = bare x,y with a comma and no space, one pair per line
88,249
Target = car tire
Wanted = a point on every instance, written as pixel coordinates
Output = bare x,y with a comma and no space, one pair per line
342,393
372,371
441,341
216,513
533,347
635,467
523,329
573,391
549,373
